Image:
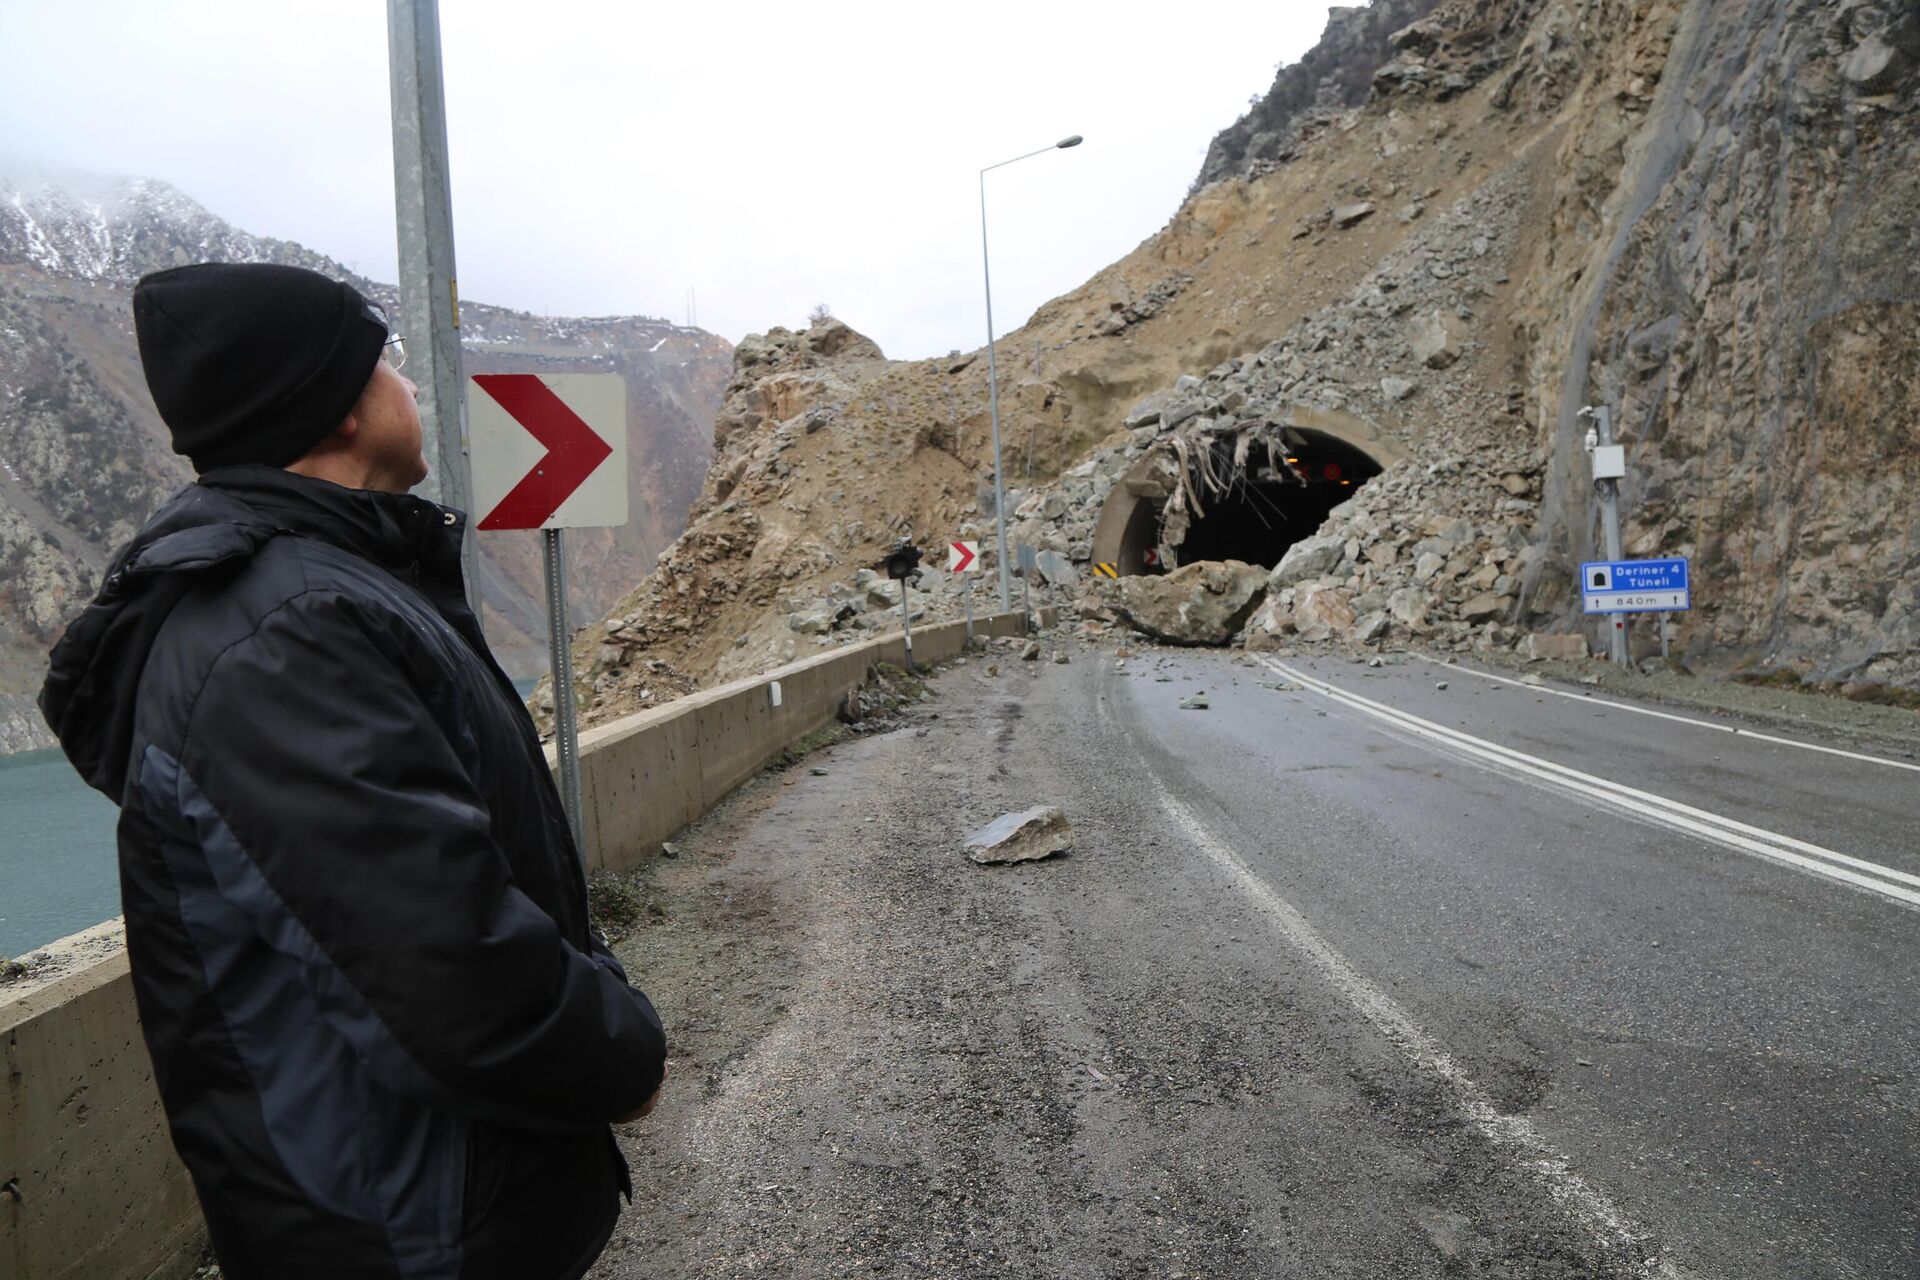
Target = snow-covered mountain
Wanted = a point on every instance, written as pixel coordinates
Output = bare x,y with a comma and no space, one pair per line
84,457
115,230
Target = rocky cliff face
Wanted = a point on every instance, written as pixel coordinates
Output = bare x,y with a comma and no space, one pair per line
1310,96
1733,244
1699,212
84,459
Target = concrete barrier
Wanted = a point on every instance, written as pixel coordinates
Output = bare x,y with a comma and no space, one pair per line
93,1187
90,1187
645,777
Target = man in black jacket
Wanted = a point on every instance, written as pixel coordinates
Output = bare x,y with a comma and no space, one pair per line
388,1041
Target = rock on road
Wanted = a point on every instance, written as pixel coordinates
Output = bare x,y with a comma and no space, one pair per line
1315,994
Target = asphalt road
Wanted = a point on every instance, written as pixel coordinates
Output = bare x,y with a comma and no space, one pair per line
1323,990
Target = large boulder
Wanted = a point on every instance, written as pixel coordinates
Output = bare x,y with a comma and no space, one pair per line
1875,65
1021,837
1408,605
1486,607
1271,621
1197,604
1437,339
1561,646
821,616
1321,612
1348,215
834,339
1305,559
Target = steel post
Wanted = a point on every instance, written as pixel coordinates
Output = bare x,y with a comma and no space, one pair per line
906,623
1610,528
993,408
429,290
566,732
993,373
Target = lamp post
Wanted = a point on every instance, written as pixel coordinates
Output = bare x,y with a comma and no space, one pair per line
993,373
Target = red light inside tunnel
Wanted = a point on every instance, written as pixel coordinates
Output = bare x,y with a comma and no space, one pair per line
1331,471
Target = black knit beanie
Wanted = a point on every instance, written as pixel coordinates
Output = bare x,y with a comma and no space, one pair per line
250,362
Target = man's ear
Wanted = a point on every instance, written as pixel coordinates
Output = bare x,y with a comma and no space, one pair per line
349,428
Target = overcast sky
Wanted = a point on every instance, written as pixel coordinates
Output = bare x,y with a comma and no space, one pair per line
608,156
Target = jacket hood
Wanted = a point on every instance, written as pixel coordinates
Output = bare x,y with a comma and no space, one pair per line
212,527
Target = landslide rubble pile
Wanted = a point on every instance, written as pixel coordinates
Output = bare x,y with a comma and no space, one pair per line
1435,240
1434,547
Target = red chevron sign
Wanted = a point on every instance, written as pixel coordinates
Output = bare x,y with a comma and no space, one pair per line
541,448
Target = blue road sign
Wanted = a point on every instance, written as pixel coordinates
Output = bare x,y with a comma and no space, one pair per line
1635,586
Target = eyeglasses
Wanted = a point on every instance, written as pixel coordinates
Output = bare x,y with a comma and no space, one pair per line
394,350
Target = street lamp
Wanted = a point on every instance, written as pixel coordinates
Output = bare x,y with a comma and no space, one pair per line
993,374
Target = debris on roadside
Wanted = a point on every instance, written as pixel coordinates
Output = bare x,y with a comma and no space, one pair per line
1195,702
1543,645
1061,659
876,705
668,849
619,902
1440,685
1027,836
11,969
1031,653
1280,686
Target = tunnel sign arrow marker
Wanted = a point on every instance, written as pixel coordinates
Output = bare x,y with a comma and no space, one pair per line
549,451
963,557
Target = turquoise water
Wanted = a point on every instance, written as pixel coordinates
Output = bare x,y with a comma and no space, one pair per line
58,871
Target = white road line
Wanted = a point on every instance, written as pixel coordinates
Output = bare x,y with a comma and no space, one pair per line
1668,715
1590,1208
1856,873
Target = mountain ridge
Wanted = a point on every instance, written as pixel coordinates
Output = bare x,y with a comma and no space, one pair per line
84,458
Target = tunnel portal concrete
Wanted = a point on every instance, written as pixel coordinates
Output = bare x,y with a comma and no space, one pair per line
1267,494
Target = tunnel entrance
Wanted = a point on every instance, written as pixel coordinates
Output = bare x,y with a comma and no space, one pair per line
1249,509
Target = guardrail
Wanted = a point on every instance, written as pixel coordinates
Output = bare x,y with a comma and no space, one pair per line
90,1187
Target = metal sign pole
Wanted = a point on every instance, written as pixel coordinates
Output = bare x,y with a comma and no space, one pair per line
969,599
906,623
1665,654
429,290
566,733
